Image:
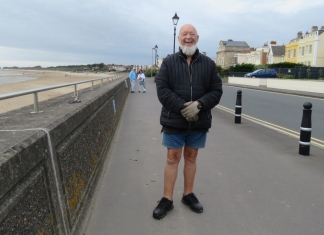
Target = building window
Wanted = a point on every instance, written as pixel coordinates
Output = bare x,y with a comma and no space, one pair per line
306,51
310,49
299,51
303,51
288,54
294,52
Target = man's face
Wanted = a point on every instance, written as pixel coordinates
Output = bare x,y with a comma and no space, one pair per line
188,36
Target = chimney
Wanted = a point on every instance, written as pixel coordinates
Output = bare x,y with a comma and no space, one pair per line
306,33
314,28
322,28
230,40
273,42
300,34
265,44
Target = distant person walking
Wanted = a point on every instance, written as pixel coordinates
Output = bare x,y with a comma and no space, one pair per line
132,77
141,83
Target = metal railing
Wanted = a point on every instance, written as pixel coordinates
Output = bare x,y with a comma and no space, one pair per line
35,91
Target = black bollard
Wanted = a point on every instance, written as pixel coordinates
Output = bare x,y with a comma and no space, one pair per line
238,107
306,130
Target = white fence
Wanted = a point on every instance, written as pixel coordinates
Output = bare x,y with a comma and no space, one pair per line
287,84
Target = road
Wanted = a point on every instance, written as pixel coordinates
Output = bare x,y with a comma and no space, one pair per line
280,109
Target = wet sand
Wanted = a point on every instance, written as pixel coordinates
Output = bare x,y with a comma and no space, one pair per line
44,78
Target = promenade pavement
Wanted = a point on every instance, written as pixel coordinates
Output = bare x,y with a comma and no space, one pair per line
250,180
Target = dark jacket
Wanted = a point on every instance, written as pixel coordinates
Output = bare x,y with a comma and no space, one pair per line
178,83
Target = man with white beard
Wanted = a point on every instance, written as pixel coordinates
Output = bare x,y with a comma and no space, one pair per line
188,87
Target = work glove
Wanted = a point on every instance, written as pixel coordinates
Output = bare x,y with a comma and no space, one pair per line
191,110
193,119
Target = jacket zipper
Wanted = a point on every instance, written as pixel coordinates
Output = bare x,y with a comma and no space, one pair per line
190,79
190,75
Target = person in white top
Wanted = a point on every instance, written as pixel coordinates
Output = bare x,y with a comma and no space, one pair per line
141,79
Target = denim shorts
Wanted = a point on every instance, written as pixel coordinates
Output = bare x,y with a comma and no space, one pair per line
195,139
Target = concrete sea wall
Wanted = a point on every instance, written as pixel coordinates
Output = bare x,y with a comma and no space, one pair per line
51,162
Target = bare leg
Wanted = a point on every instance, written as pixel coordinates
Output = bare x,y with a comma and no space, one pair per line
171,171
189,170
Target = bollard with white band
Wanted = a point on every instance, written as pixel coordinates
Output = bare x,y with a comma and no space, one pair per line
238,107
306,130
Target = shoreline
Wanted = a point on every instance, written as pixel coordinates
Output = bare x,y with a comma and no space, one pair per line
42,79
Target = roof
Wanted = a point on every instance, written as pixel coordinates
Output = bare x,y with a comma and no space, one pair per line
278,50
235,43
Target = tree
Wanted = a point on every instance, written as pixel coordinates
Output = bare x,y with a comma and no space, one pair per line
308,73
320,74
220,70
242,68
284,65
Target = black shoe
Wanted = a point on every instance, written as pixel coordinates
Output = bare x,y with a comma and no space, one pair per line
193,203
139,91
144,91
132,91
161,210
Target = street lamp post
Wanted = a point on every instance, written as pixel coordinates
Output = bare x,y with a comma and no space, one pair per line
155,48
152,55
157,60
175,20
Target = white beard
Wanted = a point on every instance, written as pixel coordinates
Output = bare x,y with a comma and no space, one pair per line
189,51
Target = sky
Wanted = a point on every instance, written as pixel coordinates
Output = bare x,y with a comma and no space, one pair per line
73,32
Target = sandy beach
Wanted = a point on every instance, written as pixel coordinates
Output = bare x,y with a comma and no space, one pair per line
43,79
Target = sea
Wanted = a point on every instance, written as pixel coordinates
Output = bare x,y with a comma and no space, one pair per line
13,77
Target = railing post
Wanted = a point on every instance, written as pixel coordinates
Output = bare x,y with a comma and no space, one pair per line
91,85
36,103
75,90
306,130
238,107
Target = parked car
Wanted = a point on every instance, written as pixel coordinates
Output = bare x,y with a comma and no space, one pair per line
262,73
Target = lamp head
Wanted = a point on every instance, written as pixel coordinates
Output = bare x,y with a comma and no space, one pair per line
175,19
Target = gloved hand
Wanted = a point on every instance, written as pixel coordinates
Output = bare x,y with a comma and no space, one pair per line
191,110
193,119
187,103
